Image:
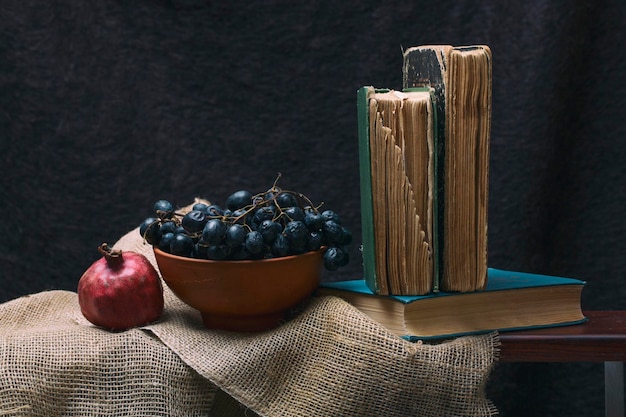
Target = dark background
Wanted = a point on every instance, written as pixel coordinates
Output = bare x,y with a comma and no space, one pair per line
108,106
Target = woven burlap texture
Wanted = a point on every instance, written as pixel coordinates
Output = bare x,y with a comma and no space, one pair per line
329,360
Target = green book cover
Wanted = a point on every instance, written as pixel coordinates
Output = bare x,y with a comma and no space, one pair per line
367,216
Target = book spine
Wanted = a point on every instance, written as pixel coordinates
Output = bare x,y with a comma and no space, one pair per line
367,212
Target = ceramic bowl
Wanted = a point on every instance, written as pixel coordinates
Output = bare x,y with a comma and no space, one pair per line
244,296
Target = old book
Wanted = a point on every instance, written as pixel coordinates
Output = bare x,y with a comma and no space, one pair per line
397,141
461,79
510,301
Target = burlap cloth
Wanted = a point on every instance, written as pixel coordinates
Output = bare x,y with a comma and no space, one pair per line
330,360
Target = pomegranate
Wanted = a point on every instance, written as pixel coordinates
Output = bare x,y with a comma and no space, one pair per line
121,290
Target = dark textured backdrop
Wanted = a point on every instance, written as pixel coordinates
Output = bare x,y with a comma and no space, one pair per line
108,106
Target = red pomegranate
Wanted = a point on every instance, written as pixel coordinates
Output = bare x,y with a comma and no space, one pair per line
121,290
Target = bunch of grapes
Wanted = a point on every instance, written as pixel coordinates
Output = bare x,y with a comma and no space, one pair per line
270,224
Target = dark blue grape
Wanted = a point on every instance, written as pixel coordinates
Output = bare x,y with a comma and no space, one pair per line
214,232
330,215
200,207
298,250
269,230
313,220
181,245
345,259
239,199
217,252
254,242
194,221
240,254
239,216
333,232
268,196
316,240
166,241
199,250
235,235
334,258
150,230
168,227
280,247
264,213
294,213
347,236
164,209
296,233
214,211
285,199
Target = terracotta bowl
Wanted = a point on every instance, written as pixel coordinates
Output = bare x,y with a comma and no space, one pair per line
244,296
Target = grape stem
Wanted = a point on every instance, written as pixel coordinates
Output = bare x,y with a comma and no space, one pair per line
276,181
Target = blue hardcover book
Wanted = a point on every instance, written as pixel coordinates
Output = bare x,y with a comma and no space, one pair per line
511,301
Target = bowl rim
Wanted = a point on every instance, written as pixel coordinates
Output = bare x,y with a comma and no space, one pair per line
164,254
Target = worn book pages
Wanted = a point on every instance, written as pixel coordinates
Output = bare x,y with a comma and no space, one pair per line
401,145
468,104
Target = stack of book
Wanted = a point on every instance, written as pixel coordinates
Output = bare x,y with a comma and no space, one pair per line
511,301
424,170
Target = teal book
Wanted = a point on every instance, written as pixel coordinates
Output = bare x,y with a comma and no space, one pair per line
397,143
511,301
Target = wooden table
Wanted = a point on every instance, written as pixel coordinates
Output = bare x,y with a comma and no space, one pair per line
601,339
